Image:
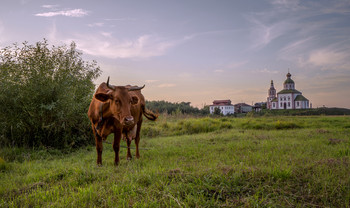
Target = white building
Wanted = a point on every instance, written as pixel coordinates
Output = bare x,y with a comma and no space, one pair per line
288,98
243,108
225,107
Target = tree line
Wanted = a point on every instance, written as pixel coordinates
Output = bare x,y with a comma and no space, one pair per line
176,108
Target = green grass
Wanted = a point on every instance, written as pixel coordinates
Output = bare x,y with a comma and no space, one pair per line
193,162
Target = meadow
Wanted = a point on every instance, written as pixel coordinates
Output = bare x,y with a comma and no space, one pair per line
278,161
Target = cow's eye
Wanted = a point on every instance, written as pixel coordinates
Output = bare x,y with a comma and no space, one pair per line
117,101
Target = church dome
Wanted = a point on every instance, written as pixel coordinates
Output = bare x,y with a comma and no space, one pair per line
288,80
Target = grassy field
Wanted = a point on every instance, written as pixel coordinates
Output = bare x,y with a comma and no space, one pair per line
193,162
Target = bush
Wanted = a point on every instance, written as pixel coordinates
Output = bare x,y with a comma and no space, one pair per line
44,95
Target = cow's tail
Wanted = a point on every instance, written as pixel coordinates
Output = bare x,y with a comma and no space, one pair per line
149,114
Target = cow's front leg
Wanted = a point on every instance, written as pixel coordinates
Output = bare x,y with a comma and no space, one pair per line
99,148
116,146
128,154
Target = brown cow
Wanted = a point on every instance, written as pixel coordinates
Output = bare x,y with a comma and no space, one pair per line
118,110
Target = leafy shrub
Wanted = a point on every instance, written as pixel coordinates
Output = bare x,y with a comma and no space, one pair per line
44,95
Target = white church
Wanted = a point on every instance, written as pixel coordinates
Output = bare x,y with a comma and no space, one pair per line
288,98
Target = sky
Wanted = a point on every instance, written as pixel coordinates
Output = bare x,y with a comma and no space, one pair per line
199,50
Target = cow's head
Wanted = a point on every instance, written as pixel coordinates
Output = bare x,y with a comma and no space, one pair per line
120,101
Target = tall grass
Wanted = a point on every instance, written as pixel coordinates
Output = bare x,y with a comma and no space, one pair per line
168,126
231,162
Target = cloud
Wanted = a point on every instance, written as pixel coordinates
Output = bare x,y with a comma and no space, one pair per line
151,81
2,38
286,4
185,75
2,28
236,64
67,13
166,85
266,71
121,19
144,46
47,6
329,59
325,57
106,34
104,44
297,49
97,24
218,71
264,32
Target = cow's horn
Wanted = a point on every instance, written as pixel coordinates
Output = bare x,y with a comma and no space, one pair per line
108,85
136,88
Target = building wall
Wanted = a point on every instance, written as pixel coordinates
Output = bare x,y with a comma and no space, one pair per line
246,109
225,109
302,104
285,101
298,104
274,105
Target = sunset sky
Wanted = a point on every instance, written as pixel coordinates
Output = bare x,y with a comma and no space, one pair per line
199,51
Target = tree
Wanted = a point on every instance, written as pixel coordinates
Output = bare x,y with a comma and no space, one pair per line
44,94
205,110
217,111
173,108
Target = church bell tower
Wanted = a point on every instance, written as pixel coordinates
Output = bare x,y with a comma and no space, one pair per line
271,95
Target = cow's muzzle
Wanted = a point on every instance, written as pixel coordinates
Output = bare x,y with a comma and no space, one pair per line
129,120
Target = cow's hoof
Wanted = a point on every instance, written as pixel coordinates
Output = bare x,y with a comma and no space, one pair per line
129,158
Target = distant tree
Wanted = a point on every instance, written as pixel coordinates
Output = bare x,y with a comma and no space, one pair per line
173,108
217,111
205,110
44,95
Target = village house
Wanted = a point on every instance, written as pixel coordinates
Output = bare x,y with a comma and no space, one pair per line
243,108
225,107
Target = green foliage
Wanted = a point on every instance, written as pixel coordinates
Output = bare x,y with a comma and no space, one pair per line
44,95
175,108
3,165
217,111
304,112
234,167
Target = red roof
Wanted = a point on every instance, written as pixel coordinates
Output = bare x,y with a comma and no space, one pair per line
222,102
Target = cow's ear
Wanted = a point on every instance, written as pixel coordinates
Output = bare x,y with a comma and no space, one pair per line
103,97
134,100
103,93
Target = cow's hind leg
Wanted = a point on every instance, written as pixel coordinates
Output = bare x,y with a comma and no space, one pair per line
116,146
137,139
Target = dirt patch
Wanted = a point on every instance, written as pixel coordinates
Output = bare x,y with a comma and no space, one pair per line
175,173
26,189
322,131
226,170
334,141
334,162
